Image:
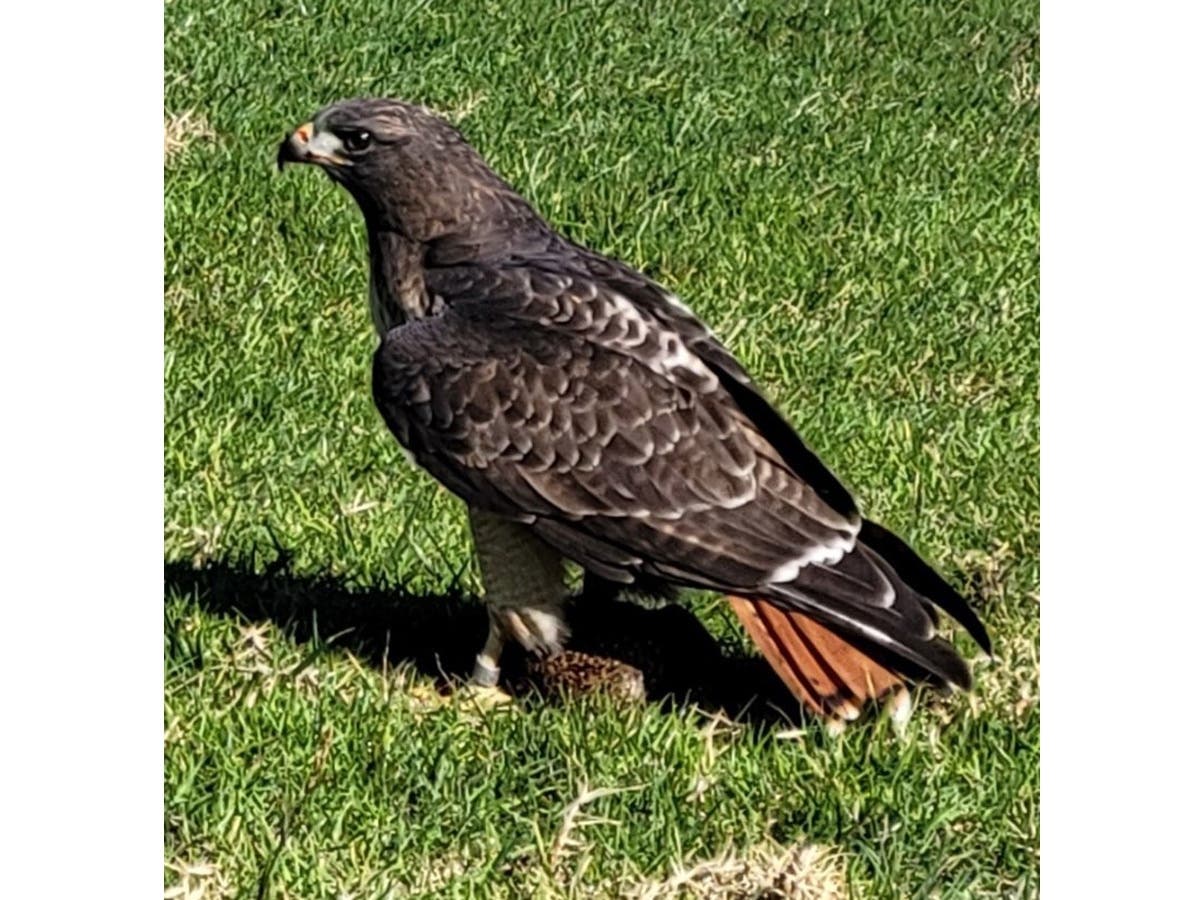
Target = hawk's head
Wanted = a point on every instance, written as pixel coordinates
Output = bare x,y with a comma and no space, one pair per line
409,170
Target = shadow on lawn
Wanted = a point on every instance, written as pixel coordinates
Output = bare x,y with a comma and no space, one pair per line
439,635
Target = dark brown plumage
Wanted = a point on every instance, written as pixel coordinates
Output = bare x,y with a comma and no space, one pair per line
578,404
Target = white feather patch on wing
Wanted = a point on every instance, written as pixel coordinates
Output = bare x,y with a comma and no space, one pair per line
818,555
670,352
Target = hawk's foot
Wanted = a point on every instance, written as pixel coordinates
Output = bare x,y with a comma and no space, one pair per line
541,630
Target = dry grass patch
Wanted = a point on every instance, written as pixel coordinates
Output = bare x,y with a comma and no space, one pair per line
766,871
181,129
1024,85
203,543
1011,688
196,881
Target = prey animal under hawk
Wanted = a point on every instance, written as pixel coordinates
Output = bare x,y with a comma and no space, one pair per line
584,413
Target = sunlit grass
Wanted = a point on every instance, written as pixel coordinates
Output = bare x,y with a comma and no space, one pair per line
848,195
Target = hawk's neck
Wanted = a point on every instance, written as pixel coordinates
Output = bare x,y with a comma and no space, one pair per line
397,288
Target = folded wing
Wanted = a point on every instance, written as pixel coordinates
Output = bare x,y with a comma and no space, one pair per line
557,400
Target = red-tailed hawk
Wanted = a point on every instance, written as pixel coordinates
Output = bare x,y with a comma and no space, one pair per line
584,413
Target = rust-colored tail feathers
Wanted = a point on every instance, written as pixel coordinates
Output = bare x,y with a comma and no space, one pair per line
831,677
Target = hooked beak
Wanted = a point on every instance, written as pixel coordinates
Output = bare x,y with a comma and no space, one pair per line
302,146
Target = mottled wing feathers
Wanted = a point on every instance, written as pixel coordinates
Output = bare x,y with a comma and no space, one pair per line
576,413
551,397
678,318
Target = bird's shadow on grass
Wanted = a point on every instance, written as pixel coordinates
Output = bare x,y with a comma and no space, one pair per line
438,635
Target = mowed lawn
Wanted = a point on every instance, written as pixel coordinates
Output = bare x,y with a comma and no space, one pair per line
847,193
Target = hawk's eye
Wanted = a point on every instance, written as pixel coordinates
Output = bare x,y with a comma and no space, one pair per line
356,141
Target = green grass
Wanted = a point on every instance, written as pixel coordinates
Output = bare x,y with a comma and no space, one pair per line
846,193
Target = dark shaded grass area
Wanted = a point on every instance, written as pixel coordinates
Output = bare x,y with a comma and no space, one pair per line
438,635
